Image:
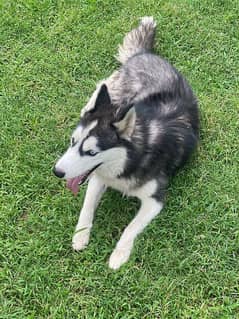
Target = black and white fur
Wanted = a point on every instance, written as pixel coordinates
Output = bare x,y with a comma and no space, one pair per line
140,125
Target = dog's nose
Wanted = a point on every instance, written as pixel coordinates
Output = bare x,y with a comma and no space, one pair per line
58,173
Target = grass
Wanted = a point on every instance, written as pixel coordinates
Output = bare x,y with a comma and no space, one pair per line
186,264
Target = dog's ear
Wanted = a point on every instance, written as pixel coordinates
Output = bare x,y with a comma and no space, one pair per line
125,122
103,98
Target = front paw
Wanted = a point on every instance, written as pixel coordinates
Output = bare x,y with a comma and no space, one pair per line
81,239
118,257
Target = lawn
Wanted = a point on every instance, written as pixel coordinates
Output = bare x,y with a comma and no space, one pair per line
186,263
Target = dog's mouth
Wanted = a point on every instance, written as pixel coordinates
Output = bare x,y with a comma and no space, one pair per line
74,183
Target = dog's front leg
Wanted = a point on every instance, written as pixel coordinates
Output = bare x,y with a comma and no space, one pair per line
148,210
94,192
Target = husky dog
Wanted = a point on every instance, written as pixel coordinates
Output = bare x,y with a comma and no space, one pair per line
140,125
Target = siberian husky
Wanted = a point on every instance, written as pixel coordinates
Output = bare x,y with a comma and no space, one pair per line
140,125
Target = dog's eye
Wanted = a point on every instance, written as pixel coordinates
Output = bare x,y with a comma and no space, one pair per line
92,152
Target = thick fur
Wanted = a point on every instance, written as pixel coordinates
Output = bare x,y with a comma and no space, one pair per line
138,40
140,125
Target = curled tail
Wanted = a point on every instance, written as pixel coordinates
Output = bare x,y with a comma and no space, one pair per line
138,40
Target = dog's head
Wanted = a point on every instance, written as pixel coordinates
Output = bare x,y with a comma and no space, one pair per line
97,143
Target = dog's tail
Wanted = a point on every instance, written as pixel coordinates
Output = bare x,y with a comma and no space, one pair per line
138,40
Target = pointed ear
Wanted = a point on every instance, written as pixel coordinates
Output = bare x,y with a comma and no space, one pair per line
103,97
126,122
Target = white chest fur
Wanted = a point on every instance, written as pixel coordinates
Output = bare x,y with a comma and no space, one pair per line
126,186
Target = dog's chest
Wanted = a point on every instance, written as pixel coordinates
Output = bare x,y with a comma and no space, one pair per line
126,186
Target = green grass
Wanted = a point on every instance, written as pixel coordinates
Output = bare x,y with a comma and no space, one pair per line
186,264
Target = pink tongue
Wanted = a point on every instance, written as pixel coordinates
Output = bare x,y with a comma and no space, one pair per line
73,184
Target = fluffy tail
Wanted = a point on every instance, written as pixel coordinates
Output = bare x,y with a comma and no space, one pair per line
138,40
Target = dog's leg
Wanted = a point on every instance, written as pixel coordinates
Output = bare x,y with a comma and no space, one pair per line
148,210
94,192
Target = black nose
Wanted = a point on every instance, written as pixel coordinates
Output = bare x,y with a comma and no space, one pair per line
58,173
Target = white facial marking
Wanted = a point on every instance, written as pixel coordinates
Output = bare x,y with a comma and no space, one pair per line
90,144
113,161
72,163
77,134
81,132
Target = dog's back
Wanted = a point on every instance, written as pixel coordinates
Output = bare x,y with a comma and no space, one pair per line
167,121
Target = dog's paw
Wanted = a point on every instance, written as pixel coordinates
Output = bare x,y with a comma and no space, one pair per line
81,239
118,257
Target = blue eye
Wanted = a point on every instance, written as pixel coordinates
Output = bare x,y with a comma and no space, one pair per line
92,153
